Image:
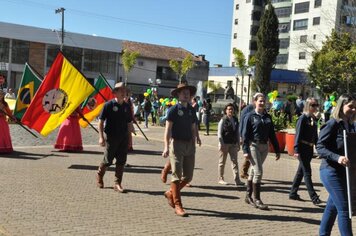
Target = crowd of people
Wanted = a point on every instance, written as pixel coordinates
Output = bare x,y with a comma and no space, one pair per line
252,134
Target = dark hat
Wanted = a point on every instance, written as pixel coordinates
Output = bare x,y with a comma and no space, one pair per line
183,86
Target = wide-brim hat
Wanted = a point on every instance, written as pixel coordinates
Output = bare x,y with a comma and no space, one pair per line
118,86
183,86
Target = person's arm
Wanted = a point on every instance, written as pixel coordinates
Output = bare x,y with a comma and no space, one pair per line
273,138
101,133
167,138
220,138
298,131
246,132
327,134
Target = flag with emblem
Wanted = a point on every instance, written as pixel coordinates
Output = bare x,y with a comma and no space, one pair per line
29,84
93,105
61,93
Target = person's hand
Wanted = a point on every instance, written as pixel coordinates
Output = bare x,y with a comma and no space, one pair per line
247,156
165,152
344,161
278,155
198,141
222,148
102,142
296,155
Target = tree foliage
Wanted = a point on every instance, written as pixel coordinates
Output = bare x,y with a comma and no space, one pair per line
333,67
182,68
267,49
128,61
214,87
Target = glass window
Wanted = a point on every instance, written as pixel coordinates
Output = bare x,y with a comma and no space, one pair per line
165,73
236,21
253,45
257,2
300,24
314,36
248,1
283,43
283,27
20,51
256,15
303,38
283,11
254,30
282,59
301,7
4,49
301,55
316,21
235,35
237,6
74,55
317,3
276,1
99,61
52,51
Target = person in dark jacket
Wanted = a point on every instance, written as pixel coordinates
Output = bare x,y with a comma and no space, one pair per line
305,138
229,143
330,147
258,129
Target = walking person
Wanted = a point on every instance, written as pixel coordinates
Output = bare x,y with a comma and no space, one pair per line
147,109
206,115
306,137
327,107
258,129
330,147
5,137
229,143
179,144
117,117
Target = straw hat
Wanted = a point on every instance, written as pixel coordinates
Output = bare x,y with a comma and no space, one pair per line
118,86
183,86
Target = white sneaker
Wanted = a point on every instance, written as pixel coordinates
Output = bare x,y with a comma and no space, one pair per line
222,182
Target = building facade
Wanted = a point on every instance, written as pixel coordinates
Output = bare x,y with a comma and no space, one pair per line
303,26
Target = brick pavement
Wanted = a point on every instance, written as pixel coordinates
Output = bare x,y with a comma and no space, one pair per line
45,192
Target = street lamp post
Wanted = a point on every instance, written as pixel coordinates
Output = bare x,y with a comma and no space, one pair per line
250,72
154,83
61,10
237,81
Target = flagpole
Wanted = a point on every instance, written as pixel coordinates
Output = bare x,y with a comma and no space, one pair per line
18,122
347,178
85,119
140,130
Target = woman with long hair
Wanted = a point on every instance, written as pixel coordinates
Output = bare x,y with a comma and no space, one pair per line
5,138
330,147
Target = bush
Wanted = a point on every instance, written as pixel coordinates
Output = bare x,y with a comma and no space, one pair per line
278,119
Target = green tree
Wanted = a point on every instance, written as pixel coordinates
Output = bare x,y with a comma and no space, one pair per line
214,87
182,68
128,61
267,49
333,66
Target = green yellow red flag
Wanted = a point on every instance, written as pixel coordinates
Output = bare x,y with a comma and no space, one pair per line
29,84
61,93
95,102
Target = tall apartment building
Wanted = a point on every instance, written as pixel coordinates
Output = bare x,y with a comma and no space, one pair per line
303,26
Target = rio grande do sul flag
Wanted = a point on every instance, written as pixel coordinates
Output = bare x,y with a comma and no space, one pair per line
95,102
29,84
61,92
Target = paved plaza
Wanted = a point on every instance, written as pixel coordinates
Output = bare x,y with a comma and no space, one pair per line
46,192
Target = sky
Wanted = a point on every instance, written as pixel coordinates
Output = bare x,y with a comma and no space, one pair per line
199,26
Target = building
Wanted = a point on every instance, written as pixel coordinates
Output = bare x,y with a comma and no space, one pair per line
92,55
303,26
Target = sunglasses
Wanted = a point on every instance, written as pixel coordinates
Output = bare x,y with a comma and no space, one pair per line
314,105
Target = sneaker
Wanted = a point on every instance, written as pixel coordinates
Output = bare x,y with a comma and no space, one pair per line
222,182
317,201
295,197
239,182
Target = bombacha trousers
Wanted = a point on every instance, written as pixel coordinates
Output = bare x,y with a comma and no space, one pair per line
259,153
182,158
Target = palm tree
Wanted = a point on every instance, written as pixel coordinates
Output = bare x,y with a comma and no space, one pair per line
182,68
128,61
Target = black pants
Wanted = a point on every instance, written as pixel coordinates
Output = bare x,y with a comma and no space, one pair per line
116,147
304,170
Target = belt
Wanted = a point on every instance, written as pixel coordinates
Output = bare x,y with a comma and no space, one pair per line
307,143
259,142
181,140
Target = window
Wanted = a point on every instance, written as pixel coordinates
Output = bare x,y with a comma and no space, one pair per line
300,24
349,20
283,28
232,64
256,15
236,21
248,1
99,61
4,49
235,35
257,2
283,11
237,6
317,3
74,55
165,73
253,45
233,49
301,55
276,1
284,43
303,38
301,7
282,59
140,63
20,51
314,36
316,21
254,30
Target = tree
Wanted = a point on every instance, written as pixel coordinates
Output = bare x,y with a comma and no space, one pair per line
333,66
211,85
128,61
267,49
182,68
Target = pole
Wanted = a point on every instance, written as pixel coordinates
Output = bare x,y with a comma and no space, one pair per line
347,178
61,10
248,89
242,92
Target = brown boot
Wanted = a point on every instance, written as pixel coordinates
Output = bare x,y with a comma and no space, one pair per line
244,169
168,194
248,198
257,199
165,170
100,175
119,171
175,187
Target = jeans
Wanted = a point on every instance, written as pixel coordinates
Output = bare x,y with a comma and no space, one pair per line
146,114
335,184
304,170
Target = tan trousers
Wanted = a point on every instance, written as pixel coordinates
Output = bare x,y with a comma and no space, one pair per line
182,159
258,153
232,150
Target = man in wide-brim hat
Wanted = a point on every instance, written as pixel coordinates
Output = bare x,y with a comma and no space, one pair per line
181,135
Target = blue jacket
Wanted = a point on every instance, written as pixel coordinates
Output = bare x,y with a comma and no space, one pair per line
306,131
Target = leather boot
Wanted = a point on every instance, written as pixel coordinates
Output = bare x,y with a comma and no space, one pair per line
248,198
168,194
119,171
257,199
165,170
100,175
175,187
244,169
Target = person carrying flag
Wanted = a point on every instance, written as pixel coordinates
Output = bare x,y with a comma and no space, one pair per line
117,117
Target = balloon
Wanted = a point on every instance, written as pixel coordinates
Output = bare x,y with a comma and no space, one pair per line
145,94
332,98
333,103
175,100
275,93
161,100
270,95
173,103
271,100
149,91
166,99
